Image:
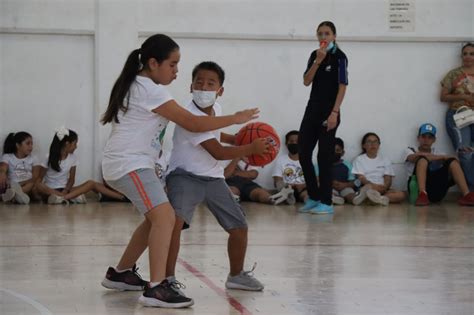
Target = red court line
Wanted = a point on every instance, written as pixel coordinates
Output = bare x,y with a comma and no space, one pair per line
198,274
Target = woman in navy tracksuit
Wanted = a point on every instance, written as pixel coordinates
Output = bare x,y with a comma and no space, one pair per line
327,74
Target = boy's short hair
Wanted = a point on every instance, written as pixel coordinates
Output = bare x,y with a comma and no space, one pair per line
291,133
339,142
211,66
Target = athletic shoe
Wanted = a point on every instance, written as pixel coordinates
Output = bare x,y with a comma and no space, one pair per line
308,205
163,295
337,200
129,280
467,200
20,196
322,208
244,281
8,195
236,197
81,199
176,285
377,198
360,196
291,200
57,200
422,199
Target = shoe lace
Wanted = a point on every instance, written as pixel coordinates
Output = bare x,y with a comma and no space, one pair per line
175,284
135,271
250,273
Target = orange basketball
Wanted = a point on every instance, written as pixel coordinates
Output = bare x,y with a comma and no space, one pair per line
255,130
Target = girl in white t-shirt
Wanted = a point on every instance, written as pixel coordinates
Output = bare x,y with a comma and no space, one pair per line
375,173
58,173
139,110
19,169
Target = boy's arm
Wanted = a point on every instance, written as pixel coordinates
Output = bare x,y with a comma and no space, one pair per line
250,174
220,152
227,138
278,182
230,169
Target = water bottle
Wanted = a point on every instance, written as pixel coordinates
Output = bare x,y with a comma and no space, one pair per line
413,189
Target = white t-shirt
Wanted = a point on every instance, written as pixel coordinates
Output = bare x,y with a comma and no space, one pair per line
373,169
290,170
20,170
188,153
54,179
135,142
410,166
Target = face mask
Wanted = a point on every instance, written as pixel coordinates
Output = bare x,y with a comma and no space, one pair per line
330,46
337,156
293,148
204,99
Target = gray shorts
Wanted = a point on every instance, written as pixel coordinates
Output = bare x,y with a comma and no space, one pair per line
186,191
142,187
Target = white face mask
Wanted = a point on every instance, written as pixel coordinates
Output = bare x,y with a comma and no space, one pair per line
204,99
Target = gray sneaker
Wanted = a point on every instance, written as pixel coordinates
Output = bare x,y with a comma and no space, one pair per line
20,196
8,195
377,198
360,196
176,285
57,200
337,200
244,281
81,199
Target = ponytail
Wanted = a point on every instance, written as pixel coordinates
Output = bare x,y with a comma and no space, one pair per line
159,47
13,139
59,141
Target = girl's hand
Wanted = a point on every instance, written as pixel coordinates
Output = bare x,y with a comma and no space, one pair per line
260,146
246,115
320,55
332,121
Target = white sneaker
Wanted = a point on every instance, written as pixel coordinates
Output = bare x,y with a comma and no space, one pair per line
57,200
236,198
8,195
360,196
377,198
81,199
337,200
20,196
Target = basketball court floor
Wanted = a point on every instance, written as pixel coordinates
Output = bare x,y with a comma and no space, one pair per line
361,260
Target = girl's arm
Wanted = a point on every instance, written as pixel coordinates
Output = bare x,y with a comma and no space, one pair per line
35,171
332,119
309,75
3,175
387,182
447,97
70,180
177,114
42,188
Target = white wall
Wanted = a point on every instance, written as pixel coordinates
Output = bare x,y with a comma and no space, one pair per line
59,59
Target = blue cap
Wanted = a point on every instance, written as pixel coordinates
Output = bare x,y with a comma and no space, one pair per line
427,128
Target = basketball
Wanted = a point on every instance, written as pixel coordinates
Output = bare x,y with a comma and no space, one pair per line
255,130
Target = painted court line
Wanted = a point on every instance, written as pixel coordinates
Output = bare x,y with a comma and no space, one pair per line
232,301
40,307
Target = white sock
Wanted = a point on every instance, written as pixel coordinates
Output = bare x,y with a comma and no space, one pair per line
120,271
154,284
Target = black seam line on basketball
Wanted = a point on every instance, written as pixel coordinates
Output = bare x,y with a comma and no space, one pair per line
258,245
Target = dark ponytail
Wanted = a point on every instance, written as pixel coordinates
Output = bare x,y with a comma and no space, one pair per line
159,47
56,147
13,139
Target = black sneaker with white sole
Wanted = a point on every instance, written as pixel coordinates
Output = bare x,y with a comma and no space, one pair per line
128,280
163,295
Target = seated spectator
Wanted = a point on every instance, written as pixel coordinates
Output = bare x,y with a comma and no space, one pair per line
344,184
287,172
375,173
239,176
435,171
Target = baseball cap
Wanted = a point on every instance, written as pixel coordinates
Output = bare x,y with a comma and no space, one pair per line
427,128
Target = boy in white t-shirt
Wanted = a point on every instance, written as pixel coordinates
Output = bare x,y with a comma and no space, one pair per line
375,173
287,171
19,169
435,171
196,176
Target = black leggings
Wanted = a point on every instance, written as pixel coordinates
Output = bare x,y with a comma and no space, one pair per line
312,131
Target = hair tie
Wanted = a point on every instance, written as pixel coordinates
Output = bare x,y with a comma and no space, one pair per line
140,64
61,132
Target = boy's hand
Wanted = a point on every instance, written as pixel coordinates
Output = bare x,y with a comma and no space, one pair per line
260,146
338,185
246,115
